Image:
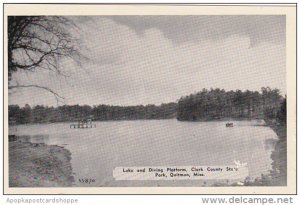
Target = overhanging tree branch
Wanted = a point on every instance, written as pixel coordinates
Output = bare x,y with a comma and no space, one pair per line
57,96
40,42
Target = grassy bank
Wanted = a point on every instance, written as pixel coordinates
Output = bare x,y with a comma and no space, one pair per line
39,165
278,174
279,155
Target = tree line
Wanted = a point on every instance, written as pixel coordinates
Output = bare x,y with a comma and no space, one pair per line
218,103
66,113
205,105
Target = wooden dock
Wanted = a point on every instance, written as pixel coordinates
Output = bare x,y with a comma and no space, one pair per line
83,124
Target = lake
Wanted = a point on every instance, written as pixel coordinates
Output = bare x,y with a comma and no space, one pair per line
97,151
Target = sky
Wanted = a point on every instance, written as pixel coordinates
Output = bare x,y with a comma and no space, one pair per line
134,60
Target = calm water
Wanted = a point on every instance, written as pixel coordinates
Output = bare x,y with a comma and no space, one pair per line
97,151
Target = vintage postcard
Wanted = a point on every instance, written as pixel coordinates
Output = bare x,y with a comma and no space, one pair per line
150,99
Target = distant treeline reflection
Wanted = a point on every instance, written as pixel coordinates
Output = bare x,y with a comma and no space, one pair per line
204,105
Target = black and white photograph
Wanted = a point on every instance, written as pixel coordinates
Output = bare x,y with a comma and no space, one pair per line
145,100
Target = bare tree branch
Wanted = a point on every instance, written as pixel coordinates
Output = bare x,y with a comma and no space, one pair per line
57,96
40,42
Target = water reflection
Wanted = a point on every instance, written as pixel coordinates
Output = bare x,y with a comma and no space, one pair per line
97,151
270,144
34,138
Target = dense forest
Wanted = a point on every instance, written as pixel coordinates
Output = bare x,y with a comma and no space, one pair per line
41,114
205,105
216,104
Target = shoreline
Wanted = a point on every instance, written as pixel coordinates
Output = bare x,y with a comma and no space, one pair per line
154,119
39,165
224,119
278,174
279,155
